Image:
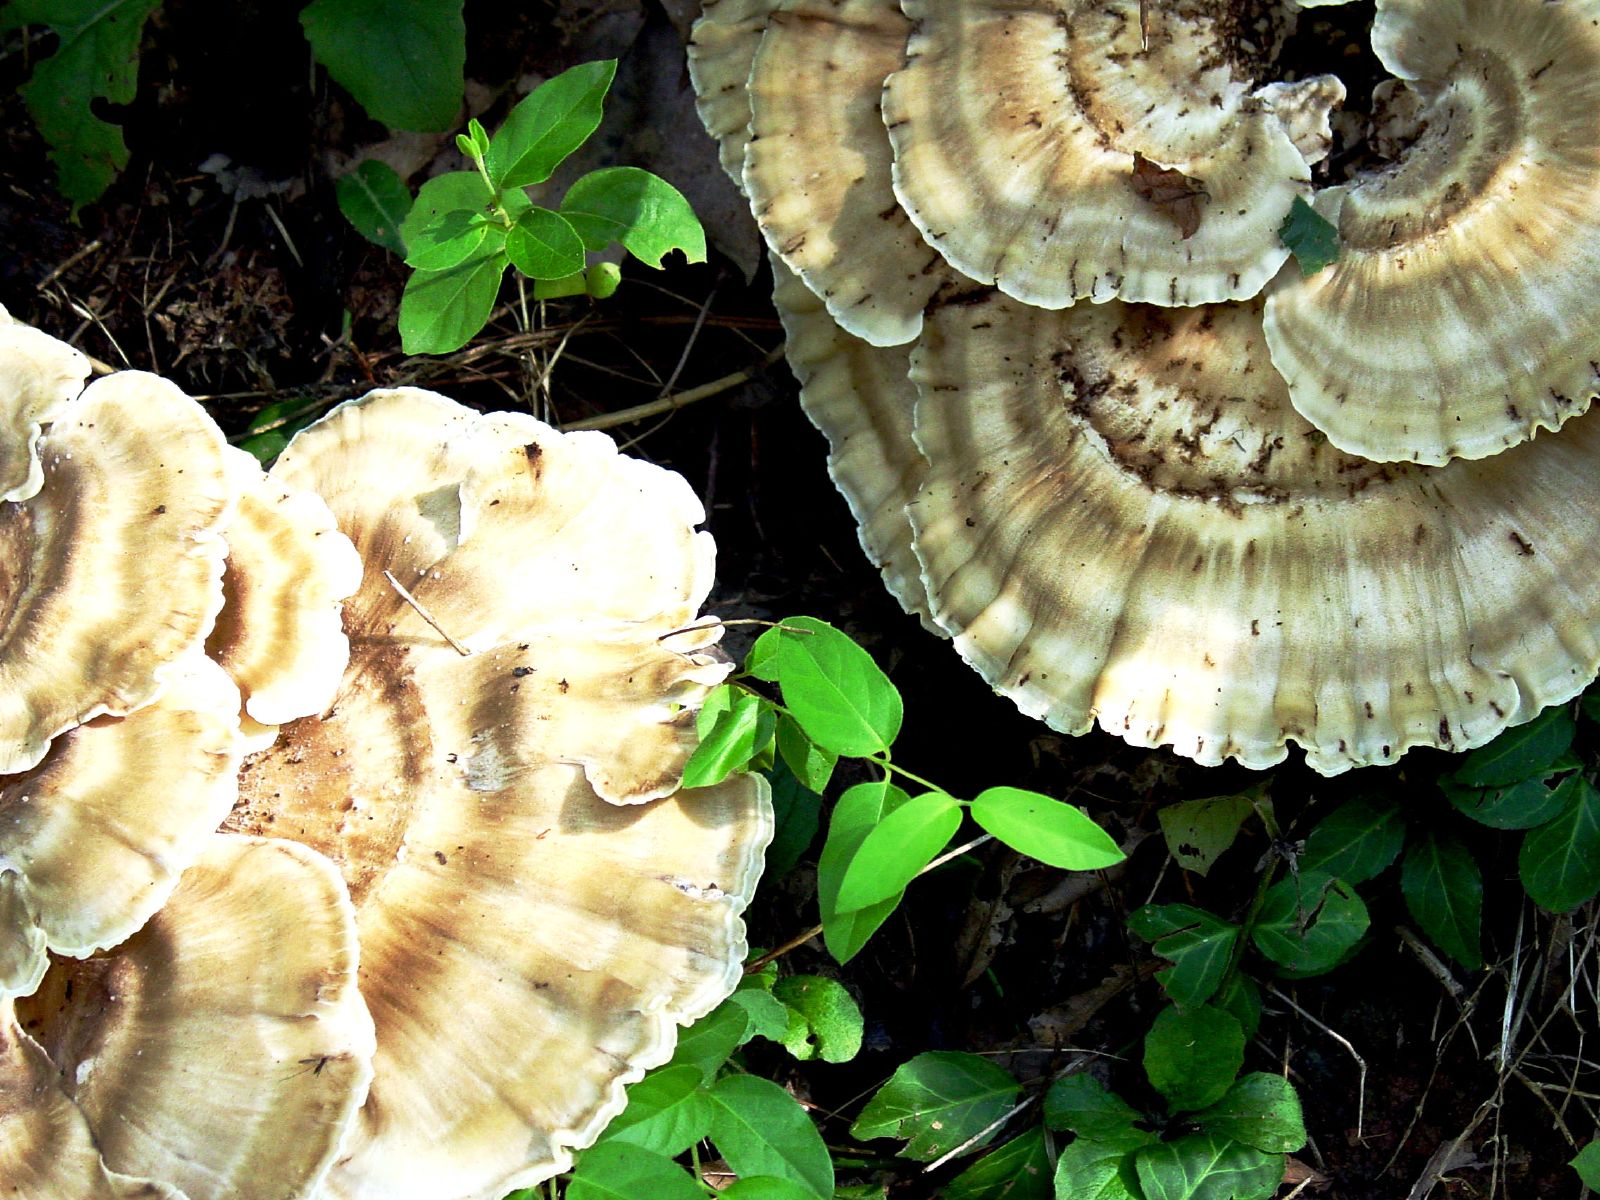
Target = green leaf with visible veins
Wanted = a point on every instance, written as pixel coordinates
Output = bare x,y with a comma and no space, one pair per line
936,1102
890,856
1042,827
1356,841
1560,860
1192,1058
667,1112
1088,1170
1519,753
1018,1170
403,60
1207,1166
548,124
855,815
1199,944
374,199
97,58
542,245
842,700
1444,891
762,1130
1260,1110
1198,831
620,1171
441,311
1082,1104
642,211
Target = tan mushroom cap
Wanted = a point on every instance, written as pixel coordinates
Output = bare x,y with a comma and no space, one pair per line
721,48
861,398
223,1048
289,568
532,929
1125,522
93,839
38,376
818,166
1460,318
46,1149
113,570
1016,131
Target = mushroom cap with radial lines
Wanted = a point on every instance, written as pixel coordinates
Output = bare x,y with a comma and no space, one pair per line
38,376
818,167
1461,316
113,570
1124,521
1019,133
539,908
224,1047
721,49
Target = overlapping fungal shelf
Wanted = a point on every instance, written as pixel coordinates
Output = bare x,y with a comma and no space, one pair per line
1140,469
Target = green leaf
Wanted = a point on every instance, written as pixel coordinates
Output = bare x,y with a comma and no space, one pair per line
797,815
768,1016
1193,1057
97,58
1082,1104
642,211
811,764
890,856
855,815
1050,830
1587,1163
550,123
452,239
1309,922
374,199
602,279
1521,805
1018,1170
1444,891
616,1170
274,425
1205,1166
1311,237
733,725
1560,861
667,1112
828,1024
707,1043
1519,753
1355,842
542,245
1200,945
762,1130
1198,831
403,60
1087,1170
936,1102
1262,1111
842,701
454,191
1241,997
765,1187
441,311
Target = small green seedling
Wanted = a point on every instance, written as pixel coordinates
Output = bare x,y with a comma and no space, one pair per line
465,228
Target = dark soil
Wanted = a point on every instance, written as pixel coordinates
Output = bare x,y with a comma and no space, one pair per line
241,281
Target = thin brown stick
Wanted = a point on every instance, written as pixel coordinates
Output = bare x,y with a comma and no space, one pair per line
642,412
426,615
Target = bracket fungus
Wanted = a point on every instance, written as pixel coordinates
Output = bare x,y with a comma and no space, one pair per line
539,906
721,49
223,1049
38,376
1072,150
1460,318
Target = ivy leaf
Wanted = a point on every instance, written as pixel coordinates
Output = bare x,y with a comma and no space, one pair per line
762,1130
1192,1058
1088,1170
1444,891
1018,1170
375,201
1560,861
548,124
1207,1166
403,60
1199,944
825,1022
891,855
1356,841
441,311
1042,827
97,58
936,1102
1082,1104
1519,753
543,245
1311,237
667,1112
855,815
1309,922
1198,831
643,212
1262,1111
842,701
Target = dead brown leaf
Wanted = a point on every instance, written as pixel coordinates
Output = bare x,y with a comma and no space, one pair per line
1169,189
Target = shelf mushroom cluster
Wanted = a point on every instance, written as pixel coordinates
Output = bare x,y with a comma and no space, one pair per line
342,852
1097,428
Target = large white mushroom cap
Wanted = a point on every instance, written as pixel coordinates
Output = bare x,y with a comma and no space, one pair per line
38,376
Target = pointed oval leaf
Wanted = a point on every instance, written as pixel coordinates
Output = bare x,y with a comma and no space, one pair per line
842,700
1309,922
643,212
762,1130
707,1043
1193,1057
1519,753
452,239
904,842
730,727
1018,1170
1206,1166
403,60
1520,805
1444,891
667,1112
548,124
451,192
1262,1111
622,1171
811,764
1560,860
936,1102
1200,945
1050,830
375,201
1356,841
855,815
441,311
542,245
